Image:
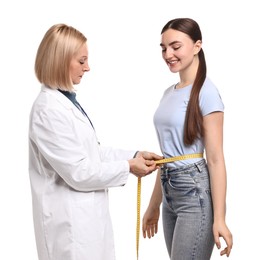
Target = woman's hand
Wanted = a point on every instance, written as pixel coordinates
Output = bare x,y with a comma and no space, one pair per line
141,167
149,155
221,230
150,222
144,163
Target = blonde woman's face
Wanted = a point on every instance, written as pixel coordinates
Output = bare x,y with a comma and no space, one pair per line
79,65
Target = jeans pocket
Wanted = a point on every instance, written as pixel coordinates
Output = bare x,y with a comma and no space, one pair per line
183,184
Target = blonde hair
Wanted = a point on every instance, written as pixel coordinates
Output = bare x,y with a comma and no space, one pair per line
55,52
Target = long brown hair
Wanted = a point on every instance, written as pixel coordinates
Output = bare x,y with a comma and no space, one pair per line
194,119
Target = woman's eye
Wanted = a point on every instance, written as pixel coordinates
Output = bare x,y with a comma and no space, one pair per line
81,62
176,48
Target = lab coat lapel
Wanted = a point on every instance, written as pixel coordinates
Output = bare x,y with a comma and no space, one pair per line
67,104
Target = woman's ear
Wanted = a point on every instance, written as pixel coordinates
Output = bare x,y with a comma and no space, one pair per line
197,47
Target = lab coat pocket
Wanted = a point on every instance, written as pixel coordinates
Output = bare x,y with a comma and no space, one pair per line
86,225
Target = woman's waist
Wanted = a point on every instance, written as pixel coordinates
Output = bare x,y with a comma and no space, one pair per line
180,159
184,165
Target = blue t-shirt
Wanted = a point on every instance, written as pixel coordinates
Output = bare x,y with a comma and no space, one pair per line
170,115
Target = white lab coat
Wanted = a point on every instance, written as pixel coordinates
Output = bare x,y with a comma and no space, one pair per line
70,174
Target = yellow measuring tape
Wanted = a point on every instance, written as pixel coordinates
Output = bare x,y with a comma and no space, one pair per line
162,161
138,216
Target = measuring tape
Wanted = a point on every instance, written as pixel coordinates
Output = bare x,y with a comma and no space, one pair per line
162,161
138,216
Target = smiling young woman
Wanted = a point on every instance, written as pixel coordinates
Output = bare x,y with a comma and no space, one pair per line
189,120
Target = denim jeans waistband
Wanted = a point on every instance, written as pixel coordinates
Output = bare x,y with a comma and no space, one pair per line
186,168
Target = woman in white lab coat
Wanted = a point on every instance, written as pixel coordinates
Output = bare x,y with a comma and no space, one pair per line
70,173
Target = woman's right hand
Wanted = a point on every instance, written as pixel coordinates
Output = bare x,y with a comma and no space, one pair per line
150,222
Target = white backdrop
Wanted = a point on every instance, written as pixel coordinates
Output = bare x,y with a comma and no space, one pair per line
121,93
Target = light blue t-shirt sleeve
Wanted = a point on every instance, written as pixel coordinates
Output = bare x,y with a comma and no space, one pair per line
210,99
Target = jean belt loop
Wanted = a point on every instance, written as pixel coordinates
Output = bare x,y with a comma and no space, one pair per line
198,166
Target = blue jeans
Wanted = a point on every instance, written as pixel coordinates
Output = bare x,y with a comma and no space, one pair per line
187,212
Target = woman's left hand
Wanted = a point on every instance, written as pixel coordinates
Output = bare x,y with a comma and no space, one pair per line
221,230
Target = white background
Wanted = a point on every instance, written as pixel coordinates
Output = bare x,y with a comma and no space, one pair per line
121,93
